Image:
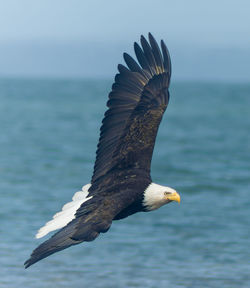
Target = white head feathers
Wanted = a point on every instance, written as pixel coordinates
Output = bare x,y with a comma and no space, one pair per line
156,195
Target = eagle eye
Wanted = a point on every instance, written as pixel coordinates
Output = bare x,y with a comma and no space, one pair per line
167,193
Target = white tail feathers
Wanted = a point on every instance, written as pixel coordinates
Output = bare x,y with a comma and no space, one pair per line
67,214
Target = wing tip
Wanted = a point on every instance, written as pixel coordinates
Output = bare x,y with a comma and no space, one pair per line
59,241
150,44
27,263
151,37
142,38
166,56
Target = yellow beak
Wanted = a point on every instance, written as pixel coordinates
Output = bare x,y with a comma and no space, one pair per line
174,197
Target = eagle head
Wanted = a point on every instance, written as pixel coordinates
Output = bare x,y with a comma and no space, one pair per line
157,195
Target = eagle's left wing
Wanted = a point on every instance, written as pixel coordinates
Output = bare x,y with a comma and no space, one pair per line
136,104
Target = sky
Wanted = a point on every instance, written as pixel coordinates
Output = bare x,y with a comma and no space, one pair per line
208,40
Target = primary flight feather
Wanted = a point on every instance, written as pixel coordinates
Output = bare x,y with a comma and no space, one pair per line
121,184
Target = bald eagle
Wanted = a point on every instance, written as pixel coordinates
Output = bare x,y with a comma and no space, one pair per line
121,184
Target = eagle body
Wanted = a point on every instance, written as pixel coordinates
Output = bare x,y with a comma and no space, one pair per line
121,184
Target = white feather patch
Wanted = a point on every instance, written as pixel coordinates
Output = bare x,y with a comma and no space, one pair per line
154,196
67,214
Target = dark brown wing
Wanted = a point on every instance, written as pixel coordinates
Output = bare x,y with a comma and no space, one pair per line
136,104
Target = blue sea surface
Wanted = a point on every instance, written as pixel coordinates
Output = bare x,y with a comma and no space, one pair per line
48,135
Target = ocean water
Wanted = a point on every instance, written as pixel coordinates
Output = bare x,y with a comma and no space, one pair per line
49,131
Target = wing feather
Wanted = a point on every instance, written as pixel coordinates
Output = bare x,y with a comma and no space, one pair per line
149,55
136,104
166,56
142,59
132,64
157,54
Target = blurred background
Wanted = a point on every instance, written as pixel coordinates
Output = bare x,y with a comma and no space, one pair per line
57,64
208,41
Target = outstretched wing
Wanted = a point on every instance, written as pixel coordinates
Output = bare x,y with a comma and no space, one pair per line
136,105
